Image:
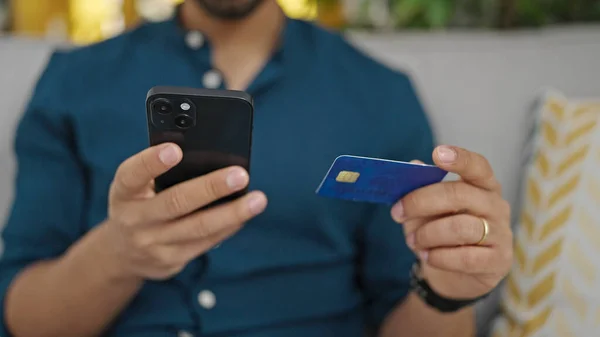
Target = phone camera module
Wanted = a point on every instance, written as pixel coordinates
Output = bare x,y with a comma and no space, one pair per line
162,106
184,121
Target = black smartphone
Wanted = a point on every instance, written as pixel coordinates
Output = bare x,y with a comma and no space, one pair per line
212,127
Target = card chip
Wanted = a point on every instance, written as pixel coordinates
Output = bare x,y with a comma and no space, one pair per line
347,177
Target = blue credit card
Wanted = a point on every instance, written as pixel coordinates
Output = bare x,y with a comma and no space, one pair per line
376,180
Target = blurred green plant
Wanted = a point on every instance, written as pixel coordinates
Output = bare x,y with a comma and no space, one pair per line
422,13
439,14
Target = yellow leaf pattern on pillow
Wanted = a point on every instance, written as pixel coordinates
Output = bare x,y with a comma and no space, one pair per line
553,289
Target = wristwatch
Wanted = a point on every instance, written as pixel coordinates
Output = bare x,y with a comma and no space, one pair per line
446,305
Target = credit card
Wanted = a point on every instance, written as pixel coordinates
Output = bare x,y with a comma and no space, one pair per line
375,180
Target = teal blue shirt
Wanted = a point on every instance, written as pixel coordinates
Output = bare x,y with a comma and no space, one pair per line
308,266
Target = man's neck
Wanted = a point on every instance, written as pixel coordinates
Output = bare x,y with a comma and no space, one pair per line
241,47
260,29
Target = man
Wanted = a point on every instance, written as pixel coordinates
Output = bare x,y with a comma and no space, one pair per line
91,250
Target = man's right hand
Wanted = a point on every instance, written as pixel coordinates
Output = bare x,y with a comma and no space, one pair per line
154,236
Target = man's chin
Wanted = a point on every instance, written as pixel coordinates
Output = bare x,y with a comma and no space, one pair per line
229,9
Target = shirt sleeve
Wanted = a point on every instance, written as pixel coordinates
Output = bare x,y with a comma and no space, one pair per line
45,218
386,259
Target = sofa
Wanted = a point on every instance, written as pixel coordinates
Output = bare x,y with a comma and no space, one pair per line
477,87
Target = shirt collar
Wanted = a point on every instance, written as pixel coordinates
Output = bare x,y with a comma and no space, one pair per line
286,59
175,32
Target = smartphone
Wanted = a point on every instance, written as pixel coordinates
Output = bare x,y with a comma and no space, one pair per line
212,127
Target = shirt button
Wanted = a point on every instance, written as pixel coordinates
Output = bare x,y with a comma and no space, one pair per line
212,79
194,40
183,333
207,299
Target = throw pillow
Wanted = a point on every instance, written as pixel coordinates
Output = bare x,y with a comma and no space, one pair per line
553,288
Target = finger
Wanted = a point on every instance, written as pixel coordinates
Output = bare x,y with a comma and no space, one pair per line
204,224
409,230
182,252
171,259
452,231
470,166
179,253
193,249
415,161
194,194
138,171
412,225
445,198
466,259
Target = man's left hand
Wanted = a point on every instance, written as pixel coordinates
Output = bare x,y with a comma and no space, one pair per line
445,223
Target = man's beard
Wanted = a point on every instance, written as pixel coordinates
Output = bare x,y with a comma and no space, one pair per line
229,9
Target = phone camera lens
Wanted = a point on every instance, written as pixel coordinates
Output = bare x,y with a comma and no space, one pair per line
162,106
183,121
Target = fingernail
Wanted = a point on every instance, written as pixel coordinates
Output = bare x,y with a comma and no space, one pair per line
237,179
257,204
446,154
169,155
398,212
410,241
424,256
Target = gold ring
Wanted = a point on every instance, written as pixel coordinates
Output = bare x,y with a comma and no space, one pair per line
486,231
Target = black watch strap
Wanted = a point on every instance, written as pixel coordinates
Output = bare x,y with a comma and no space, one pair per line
446,305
